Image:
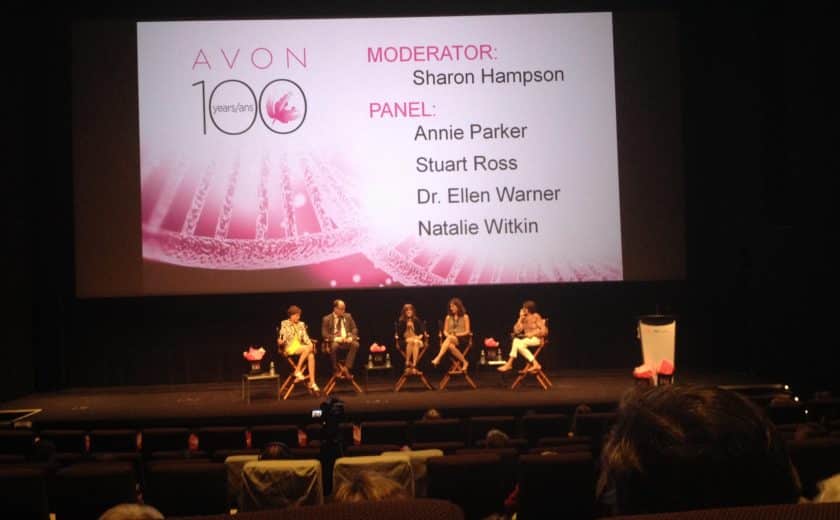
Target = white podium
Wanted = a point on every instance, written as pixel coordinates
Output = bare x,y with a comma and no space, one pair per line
658,333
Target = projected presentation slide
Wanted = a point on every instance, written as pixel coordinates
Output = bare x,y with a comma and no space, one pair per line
376,152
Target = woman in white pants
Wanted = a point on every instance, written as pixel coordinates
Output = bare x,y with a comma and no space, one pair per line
528,331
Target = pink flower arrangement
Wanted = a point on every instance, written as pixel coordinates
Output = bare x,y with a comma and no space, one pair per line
643,372
491,343
254,353
666,368
377,348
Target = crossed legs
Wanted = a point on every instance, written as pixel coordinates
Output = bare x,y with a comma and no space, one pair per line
520,346
450,344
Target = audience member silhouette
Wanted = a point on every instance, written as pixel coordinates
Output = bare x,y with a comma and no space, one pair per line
580,409
829,489
369,486
677,448
132,512
496,438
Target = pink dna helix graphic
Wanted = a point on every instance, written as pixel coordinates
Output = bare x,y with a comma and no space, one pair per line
414,263
301,212
295,215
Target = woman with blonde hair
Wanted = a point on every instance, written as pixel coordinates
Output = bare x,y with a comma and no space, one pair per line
293,339
368,486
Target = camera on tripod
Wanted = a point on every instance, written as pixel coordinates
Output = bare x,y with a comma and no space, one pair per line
331,413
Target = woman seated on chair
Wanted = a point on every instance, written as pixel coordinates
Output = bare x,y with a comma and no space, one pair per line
528,331
456,332
411,330
294,340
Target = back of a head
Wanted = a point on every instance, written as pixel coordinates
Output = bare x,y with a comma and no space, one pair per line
432,415
829,489
275,451
132,512
677,448
497,439
580,409
369,486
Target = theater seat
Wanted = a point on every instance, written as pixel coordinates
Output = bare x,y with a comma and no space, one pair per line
427,509
827,511
86,490
273,484
595,425
520,445
567,448
448,448
473,482
263,434
66,441
396,467
578,440
418,465
385,432
177,487
23,493
165,439
113,441
556,486
480,425
16,442
222,455
537,426
369,449
215,438
438,430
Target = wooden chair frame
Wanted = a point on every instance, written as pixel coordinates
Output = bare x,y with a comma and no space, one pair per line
539,375
455,367
404,378
289,383
330,386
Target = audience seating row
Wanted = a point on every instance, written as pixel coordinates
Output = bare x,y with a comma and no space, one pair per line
182,471
469,432
478,480
442,510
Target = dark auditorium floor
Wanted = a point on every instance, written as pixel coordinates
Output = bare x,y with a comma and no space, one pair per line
222,404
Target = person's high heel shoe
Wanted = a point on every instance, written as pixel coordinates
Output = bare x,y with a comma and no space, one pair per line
504,368
299,377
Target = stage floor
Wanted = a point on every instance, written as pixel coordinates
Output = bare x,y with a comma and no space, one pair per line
222,403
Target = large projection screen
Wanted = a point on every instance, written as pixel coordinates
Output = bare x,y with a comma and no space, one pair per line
288,155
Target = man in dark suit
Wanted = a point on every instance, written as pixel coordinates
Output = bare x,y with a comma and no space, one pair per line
338,329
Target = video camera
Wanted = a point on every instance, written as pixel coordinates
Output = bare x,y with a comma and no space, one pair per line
331,414
331,409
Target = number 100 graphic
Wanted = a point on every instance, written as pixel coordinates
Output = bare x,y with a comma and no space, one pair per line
233,106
